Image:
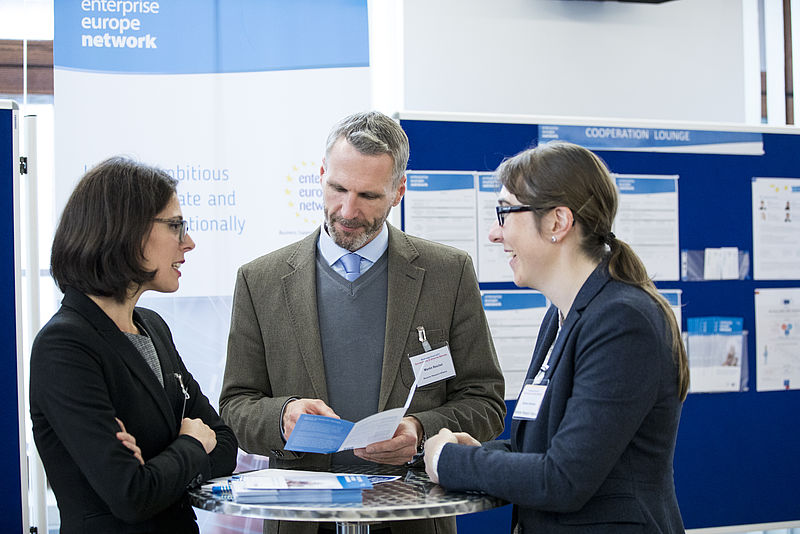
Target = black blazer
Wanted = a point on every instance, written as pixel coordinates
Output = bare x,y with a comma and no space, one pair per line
598,458
84,373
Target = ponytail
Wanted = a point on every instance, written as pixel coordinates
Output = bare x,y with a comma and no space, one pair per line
625,266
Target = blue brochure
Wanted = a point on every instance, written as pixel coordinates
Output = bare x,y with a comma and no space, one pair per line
317,433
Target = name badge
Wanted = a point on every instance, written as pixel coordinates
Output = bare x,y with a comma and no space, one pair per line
530,401
433,366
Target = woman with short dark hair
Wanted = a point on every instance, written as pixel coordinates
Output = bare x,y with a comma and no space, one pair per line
594,428
120,424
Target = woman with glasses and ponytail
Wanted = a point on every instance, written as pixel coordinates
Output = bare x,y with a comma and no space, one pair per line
120,424
593,432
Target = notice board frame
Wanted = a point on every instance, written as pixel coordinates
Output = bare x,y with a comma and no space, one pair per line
737,459
13,456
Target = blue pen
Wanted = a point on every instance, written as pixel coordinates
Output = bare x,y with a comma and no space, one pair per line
226,487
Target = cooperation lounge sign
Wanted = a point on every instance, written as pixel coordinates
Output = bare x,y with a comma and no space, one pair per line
232,98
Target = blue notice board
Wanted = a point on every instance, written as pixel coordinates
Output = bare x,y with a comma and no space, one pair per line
11,503
737,459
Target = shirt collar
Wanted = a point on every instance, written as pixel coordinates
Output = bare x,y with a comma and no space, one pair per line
372,251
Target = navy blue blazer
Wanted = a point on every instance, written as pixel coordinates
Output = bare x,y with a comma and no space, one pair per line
84,373
598,458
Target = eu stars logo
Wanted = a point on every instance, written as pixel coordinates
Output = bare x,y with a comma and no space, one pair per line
303,194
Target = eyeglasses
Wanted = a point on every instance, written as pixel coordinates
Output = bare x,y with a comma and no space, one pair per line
178,226
502,211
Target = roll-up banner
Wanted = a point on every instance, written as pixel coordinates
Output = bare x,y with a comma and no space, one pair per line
232,98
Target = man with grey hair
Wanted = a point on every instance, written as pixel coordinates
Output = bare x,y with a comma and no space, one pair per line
327,325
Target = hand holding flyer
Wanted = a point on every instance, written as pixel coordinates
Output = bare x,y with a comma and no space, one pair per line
317,433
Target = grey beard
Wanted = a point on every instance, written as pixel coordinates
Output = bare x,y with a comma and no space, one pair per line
353,243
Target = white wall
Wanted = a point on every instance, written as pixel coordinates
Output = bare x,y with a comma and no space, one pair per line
681,60
26,19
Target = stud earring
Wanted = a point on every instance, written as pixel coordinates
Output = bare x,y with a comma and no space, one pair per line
553,239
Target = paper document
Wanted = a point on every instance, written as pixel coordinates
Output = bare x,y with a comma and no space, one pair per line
721,263
317,433
514,319
440,206
492,259
776,229
271,478
715,353
673,297
777,341
284,486
647,220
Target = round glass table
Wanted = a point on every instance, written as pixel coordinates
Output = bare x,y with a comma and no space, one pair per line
412,496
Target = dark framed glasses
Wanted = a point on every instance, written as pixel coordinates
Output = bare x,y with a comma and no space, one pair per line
502,211
178,226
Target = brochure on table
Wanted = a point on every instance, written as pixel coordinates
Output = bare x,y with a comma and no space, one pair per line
284,486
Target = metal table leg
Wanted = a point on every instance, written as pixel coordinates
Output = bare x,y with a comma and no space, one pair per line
345,527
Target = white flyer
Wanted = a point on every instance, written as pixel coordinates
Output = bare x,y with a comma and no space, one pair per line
777,339
776,228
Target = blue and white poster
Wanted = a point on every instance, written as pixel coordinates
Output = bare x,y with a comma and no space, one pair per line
235,100
715,346
492,260
647,219
514,318
673,297
440,206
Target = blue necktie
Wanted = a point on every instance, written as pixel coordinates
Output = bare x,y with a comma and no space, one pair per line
352,266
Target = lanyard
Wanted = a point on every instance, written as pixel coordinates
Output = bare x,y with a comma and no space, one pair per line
539,378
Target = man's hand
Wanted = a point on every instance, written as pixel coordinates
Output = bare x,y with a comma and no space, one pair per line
398,450
294,409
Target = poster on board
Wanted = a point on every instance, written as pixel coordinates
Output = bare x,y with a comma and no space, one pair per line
777,339
647,219
776,228
440,206
514,318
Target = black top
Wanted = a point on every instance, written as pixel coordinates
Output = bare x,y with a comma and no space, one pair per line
84,373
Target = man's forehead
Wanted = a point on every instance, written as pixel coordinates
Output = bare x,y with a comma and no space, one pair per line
356,171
